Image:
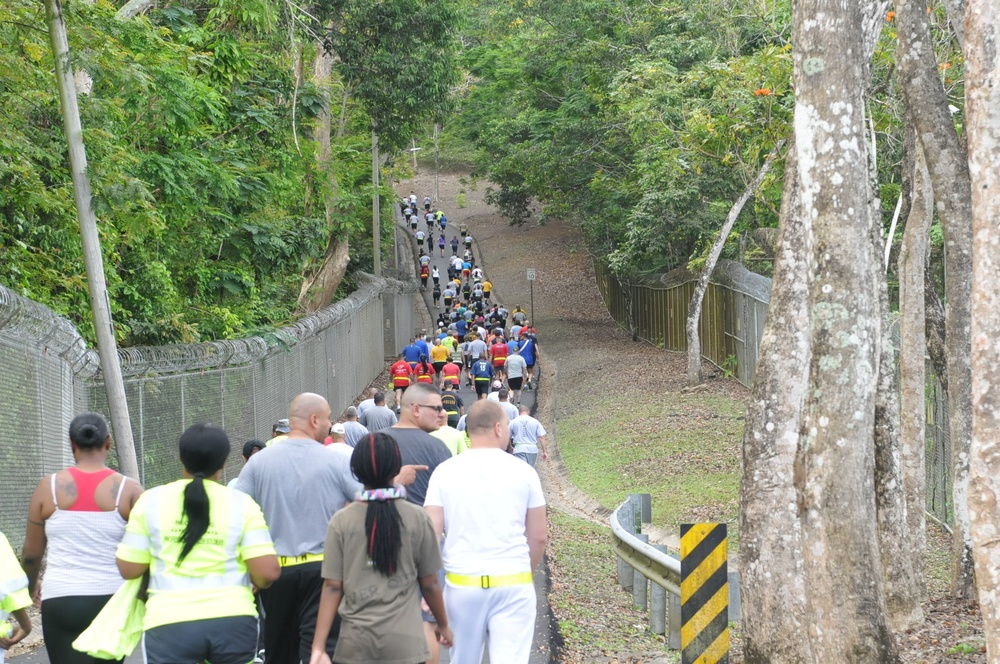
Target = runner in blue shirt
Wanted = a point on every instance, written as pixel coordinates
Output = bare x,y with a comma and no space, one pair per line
482,375
529,351
411,353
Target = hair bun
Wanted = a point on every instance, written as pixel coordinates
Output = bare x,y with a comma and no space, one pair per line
88,430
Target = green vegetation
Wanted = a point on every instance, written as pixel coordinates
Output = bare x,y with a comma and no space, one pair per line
681,449
202,135
642,120
595,616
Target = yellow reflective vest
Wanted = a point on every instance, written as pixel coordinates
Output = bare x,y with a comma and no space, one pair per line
13,586
212,581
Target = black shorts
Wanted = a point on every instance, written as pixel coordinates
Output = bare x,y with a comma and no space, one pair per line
515,383
227,640
482,386
438,366
531,365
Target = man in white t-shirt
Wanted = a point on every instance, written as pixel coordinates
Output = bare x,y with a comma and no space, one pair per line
492,507
527,434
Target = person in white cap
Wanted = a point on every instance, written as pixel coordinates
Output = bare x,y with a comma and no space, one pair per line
338,434
494,394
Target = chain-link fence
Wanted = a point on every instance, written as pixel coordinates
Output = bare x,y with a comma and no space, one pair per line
47,376
731,326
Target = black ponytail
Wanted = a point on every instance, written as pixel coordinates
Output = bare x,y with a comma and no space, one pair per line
203,449
375,462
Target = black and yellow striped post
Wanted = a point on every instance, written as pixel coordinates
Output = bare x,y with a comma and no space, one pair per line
704,594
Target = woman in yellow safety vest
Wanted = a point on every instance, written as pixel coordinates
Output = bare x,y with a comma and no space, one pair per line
14,597
203,545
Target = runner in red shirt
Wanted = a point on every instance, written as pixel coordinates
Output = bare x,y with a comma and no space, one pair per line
400,372
498,351
424,371
453,372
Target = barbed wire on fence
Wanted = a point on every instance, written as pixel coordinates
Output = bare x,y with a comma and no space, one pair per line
244,385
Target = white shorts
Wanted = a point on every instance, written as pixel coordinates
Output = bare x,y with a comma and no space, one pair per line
507,613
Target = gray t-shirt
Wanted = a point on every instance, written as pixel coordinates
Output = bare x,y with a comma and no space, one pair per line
510,409
365,405
353,432
525,432
515,366
378,418
476,348
419,448
298,484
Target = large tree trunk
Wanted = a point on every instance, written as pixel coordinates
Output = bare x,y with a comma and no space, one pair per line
901,593
912,365
771,574
834,467
927,104
694,309
982,95
320,286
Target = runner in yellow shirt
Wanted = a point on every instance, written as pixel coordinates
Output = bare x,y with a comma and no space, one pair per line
439,357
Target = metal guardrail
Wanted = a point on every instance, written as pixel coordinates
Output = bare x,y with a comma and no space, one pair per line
643,567
653,575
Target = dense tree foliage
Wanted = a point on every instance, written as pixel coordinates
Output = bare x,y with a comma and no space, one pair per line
642,120
210,205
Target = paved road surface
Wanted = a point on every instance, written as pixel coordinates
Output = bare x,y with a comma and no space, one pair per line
540,652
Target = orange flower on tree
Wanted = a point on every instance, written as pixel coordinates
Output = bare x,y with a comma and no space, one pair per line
889,16
762,92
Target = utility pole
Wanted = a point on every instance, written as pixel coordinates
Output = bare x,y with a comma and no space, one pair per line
376,213
413,151
437,151
107,348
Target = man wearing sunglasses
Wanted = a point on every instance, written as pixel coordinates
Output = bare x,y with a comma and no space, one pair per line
418,416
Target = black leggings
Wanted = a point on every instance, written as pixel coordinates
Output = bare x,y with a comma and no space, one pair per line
63,619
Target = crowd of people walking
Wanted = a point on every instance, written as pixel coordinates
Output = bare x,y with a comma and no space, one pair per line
378,538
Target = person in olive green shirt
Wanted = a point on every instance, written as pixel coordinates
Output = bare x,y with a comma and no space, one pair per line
379,551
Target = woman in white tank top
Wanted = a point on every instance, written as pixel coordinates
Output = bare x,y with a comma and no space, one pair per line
78,516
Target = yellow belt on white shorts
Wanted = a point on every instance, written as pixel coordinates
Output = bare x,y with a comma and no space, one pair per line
490,581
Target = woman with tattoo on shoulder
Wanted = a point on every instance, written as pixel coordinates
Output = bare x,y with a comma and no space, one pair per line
79,515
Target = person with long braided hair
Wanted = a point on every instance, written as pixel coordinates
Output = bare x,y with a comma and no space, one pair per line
203,545
378,551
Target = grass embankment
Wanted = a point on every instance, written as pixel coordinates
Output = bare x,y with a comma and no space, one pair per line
595,617
683,449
